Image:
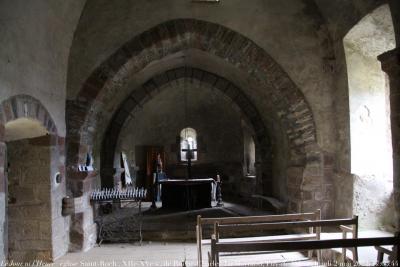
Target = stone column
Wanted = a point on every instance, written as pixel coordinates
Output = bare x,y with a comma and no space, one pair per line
3,193
391,65
79,185
83,229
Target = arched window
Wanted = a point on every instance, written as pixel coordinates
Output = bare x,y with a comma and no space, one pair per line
249,156
370,130
188,144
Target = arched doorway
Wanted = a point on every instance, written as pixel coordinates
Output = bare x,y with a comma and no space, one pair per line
33,184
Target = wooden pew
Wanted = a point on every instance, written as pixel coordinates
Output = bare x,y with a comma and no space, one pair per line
354,234
219,247
220,229
382,251
201,222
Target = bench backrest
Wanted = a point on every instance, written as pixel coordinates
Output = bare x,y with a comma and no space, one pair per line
248,219
285,225
305,245
217,247
312,226
260,219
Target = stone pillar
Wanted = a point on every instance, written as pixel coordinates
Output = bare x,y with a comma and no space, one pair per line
391,65
79,185
83,229
259,178
311,188
3,192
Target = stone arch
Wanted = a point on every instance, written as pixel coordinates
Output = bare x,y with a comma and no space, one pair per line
45,160
150,88
305,172
180,34
25,106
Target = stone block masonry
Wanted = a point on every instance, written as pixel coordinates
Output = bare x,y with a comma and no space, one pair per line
36,228
29,207
3,221
391,65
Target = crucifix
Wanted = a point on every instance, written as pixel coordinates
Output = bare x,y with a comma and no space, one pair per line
189,156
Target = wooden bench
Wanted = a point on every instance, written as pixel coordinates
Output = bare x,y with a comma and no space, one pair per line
220,247
382,251
201,222
354,234
314,229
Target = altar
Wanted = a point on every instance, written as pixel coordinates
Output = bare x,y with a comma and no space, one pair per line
186,194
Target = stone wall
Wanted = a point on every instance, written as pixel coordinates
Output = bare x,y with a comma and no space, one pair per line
370,132
60,224
36,228
34,51
33,58
110,82
260,22
29,207
3,197
36,43
83,231
391,65
160,121
43,156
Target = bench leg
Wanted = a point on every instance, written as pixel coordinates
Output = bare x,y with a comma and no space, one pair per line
199,254
310,254
319,255
344,256
213,259
214,253
355,255
379,259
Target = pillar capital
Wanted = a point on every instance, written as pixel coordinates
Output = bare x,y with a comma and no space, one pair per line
390,61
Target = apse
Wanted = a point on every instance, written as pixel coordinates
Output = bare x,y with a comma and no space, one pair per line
214,122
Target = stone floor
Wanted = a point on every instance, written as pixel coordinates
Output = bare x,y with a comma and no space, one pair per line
169,254
173,243
185,254
367,255
166,225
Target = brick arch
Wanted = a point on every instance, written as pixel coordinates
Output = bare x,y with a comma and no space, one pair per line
25,106
181,34
153,86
